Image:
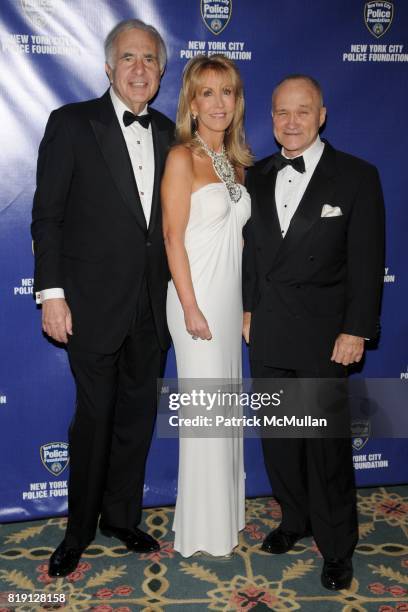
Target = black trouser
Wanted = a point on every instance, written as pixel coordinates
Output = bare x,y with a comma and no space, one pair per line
112,427
313,478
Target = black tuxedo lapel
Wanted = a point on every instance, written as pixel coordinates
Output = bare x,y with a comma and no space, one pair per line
267,206
159,147
110,139
318,192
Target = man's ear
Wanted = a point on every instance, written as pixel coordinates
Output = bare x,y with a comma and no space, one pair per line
323,112
109,72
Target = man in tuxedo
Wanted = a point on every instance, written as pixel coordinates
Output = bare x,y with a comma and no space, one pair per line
312,274
101,275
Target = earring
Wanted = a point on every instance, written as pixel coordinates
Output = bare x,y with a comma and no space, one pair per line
194,122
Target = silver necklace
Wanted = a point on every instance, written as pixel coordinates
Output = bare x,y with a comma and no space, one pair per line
222,168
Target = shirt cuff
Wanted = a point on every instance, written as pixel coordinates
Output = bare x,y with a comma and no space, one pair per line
49,294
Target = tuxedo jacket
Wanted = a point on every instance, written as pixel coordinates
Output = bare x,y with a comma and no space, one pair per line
89,230
325,276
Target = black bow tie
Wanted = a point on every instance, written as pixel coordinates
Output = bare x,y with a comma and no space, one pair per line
129,118
297,163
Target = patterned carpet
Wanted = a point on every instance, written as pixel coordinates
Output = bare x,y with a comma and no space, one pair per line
109,578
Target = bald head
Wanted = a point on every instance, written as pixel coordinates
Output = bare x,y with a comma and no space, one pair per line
301,77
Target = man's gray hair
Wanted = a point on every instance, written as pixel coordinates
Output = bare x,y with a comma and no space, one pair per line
134,24
301,77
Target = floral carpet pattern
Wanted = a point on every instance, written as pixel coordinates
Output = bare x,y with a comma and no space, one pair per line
111,579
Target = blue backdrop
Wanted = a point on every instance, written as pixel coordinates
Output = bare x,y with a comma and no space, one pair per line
51,53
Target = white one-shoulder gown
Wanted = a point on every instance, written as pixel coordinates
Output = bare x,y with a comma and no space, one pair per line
210,508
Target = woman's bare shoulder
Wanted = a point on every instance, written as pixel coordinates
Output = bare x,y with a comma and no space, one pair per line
180,155
179,165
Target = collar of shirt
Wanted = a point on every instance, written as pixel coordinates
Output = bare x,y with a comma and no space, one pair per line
120,107
139,143
291,185
311,155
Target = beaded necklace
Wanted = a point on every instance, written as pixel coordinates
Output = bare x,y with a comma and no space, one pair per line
222,168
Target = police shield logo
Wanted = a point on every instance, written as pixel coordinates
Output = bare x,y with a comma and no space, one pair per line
378,17
37,11
55,457
360,433
216,14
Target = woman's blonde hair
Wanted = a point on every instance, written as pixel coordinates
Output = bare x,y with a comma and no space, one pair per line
234,141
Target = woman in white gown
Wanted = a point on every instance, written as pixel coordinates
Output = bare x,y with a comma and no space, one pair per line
205,207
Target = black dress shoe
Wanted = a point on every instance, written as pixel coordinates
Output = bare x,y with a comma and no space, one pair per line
280,541
337,574
134,539
64,560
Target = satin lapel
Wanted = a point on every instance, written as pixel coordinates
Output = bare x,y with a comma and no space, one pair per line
110,139
318,192
265,195
159,147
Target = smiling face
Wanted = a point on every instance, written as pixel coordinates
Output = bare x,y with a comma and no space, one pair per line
134,71
297,114
213,103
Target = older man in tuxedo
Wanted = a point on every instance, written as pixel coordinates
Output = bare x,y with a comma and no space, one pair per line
101,276
313,267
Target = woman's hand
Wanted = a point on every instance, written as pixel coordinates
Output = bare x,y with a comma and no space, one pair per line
196,324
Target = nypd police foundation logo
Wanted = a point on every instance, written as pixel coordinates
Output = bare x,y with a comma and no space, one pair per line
38,11
45,490
360,435
25,287
388,277
378,17
233,49
372,461
216,14
35,44
360,432
55,457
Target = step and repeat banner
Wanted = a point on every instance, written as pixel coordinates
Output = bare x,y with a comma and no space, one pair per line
51,53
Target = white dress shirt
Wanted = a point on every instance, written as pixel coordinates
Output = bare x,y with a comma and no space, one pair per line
291,184
139,143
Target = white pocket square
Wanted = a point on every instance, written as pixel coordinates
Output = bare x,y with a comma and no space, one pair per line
331,211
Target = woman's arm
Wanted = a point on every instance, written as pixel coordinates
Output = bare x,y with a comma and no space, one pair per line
176,195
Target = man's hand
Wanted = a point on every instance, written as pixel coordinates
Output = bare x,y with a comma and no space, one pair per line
246,326
56,319
348,349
